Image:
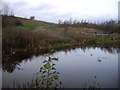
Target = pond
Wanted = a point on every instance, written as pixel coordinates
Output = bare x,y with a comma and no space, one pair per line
77,67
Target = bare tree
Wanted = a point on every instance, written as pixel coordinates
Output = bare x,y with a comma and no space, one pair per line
6,10
0,7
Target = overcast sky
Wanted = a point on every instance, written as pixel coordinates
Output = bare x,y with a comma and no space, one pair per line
54,10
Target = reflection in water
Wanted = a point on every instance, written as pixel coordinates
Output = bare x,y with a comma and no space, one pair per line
92,84
46,77
10,63
76,66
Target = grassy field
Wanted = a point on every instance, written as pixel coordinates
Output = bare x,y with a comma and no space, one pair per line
25,35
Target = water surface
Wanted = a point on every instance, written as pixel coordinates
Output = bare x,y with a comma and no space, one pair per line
77,67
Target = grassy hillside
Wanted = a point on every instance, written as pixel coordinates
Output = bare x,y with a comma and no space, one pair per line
26,36
33,24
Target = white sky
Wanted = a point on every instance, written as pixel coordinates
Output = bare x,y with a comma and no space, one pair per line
54,10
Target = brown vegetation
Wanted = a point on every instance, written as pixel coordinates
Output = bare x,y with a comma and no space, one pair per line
108,26
17,38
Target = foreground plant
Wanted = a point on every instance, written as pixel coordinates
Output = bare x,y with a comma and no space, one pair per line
47,77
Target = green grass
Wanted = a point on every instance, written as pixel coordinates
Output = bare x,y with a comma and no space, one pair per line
108,40
102,40
31,27
61,45
33,24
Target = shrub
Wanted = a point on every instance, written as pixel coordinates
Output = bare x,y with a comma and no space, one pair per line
18,22
32,17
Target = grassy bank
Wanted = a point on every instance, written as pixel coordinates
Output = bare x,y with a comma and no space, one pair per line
24,35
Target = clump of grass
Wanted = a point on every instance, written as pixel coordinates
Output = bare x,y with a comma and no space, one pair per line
103,40
61,45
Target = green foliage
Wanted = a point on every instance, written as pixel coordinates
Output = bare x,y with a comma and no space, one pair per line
48,77
103,40
60,45
47,65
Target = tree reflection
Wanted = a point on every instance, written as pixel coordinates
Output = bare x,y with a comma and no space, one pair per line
11,62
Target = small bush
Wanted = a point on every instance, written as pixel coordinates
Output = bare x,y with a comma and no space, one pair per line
18,22
32,17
